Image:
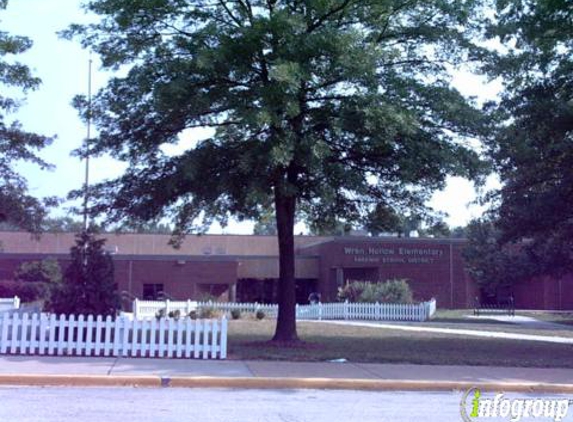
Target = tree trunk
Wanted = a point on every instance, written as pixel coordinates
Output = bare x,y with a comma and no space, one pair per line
286,322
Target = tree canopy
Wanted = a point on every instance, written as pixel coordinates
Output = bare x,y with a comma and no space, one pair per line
266,224
533,149
17,206
320,109
496,266
46,271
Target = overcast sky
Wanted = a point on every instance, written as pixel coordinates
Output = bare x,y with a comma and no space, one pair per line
63,67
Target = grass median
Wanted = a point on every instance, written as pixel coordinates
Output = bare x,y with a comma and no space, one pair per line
321,342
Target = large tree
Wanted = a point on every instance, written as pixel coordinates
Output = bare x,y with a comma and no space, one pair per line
17,207
534,147
495,265
88,285
321,109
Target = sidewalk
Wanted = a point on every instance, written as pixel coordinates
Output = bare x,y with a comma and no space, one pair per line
457,331
524,321
91,371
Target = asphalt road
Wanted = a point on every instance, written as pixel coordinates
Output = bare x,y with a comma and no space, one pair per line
62,404
58,404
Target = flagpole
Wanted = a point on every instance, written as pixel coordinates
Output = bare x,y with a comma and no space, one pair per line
87,146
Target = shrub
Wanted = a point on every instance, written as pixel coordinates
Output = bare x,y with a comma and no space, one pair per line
33,281
27,291
391,291
46,271
236,314
176,314
160,314
208,312
396,291
260,314
193,314
208,297
352,291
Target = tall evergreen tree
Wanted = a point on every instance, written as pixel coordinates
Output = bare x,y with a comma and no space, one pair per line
88,286
17,207
319,108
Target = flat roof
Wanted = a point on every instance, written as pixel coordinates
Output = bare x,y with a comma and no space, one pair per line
206,245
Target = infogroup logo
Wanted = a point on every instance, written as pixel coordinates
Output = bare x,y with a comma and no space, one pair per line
476,406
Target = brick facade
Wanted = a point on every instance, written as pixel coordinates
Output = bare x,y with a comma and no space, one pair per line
218,264
433,268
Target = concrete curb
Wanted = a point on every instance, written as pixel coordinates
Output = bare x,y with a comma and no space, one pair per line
276,383
80,380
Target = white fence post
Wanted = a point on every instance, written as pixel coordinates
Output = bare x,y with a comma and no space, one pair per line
223,353
136,308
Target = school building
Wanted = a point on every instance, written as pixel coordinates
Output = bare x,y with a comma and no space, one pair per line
245,267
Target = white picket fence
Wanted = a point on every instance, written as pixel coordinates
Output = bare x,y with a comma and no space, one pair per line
143,309
270,311
9,304
67,335
353,311
367,311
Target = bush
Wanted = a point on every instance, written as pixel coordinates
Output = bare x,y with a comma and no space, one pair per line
236,314
46,271
208,312
27,291
33,281
160,314
352,291
396,291
176,314
193,314
391,291
208,297
260,314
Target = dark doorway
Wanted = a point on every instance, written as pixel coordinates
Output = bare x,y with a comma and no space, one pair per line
266,290
304,287
252,290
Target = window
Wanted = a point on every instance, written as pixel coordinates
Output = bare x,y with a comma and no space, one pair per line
152,291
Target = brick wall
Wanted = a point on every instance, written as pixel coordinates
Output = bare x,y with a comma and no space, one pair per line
180,277
433,268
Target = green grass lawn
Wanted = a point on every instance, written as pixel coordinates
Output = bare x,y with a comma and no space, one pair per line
248,339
